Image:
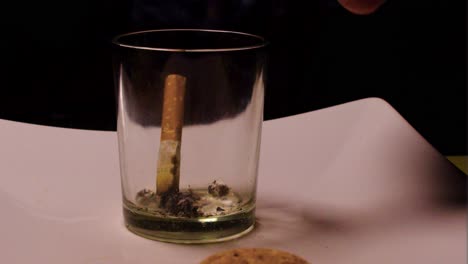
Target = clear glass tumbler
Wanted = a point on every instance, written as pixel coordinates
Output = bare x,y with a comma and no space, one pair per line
190,111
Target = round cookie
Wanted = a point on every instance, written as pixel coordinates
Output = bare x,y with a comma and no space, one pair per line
253,256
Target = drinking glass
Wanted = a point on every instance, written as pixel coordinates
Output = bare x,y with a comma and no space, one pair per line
190,112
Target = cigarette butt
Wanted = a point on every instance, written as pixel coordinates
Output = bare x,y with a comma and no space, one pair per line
173,108
172,120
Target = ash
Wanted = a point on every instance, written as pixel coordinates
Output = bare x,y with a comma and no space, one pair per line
217,200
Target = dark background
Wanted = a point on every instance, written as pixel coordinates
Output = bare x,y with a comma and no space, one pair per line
56,57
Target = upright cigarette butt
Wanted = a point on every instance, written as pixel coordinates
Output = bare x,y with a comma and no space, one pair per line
173,108
171,134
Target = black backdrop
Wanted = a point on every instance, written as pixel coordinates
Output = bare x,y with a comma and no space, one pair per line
56,57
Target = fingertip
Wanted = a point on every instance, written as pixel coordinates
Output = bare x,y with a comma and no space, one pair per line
361,7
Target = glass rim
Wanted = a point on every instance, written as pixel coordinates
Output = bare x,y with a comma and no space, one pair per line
117,40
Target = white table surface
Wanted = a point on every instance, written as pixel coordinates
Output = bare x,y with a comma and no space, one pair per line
354,183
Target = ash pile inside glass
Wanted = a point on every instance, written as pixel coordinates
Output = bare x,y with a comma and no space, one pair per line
217,200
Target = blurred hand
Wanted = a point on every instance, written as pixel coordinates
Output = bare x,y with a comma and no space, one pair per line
361,7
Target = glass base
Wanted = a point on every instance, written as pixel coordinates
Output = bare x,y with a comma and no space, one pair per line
189,230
